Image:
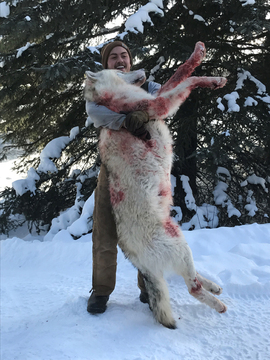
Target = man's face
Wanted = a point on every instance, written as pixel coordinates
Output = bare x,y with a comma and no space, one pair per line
119,59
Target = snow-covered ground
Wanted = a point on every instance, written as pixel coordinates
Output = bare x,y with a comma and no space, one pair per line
45,285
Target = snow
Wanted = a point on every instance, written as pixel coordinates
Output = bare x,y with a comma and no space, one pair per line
29,184
4,9
254,179
51,151
251,207
232,98
81,225
220,105
23,48
244,75
136,20
200,18
250,101
93,49
45,289
247,2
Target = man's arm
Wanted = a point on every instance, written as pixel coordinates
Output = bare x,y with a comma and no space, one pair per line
153,87
104,117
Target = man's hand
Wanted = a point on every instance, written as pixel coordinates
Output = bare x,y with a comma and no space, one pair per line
135,124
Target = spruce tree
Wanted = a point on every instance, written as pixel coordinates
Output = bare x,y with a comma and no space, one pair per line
47,46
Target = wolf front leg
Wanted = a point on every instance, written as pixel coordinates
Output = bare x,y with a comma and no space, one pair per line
209,285
185,70
187,269
174,98
198,291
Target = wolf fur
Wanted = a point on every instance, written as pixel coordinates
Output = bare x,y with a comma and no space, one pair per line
139,178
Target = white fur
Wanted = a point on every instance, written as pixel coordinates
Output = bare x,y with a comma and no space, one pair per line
139,177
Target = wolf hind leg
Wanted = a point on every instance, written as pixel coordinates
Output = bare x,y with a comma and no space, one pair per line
209,285
159,300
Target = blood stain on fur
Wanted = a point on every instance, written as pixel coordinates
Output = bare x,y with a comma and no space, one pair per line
150,146
116,196
161,106
197,288
164,191
171,228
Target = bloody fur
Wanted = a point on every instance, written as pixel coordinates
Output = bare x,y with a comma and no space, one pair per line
139,177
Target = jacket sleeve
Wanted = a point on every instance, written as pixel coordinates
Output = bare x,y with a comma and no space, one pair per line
101,116
153,87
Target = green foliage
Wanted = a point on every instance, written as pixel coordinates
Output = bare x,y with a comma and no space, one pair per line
41,93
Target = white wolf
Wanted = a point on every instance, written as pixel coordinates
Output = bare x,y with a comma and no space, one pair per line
139,178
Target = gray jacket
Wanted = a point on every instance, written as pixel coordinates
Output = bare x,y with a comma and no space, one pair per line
101,116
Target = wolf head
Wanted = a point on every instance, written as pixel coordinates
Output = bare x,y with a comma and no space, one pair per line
97,83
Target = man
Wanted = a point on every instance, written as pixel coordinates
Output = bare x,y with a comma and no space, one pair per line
115,55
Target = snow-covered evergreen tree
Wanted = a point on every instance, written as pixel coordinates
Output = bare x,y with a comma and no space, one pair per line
222,136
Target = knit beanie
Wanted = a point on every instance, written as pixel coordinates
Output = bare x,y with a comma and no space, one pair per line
105,52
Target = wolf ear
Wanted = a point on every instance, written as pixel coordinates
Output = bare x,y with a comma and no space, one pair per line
91,76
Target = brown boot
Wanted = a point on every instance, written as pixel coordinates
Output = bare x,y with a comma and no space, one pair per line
97,304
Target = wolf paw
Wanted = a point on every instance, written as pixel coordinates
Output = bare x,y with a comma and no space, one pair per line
219,83
200,50
215,289
223,309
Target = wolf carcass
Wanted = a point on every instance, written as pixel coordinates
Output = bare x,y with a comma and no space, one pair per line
139,178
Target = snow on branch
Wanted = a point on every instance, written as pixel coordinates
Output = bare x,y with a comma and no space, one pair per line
51,151
23,48
136,20
4,9
247,2
196,16
220,195
244,75
85,222
251,204
78,219
29,184
232,98
255,180
205,216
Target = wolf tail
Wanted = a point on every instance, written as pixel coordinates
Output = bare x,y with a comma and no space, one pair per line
159,300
